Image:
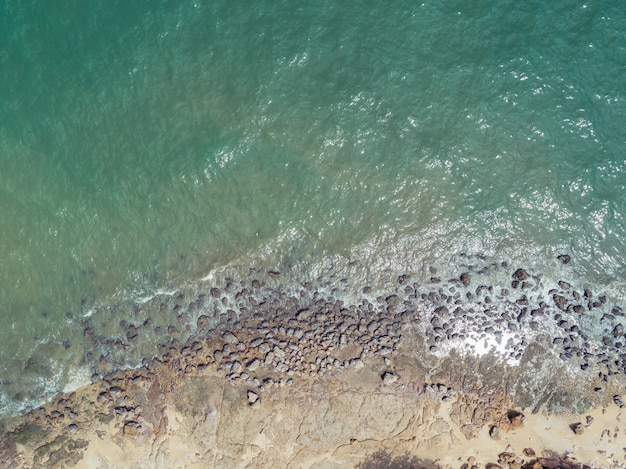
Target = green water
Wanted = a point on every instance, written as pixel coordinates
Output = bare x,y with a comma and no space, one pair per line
144,145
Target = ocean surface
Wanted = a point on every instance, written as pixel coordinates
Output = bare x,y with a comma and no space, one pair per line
149,147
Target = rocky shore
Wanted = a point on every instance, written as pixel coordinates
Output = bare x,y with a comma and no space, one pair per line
454,372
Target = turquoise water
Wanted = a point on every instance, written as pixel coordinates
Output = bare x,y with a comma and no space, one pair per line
147,145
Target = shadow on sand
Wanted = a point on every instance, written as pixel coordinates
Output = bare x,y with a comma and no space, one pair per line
383,460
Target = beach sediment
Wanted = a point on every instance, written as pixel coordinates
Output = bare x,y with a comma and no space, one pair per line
444,373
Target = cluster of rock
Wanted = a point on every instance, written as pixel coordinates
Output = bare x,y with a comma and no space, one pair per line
263,337
530,460
297,339
260,338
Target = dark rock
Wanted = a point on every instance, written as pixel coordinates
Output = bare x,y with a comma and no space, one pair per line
588,293
466,279
516,419
273,273
564,285
564,258
216,293
494,433
560,301
520,275
618,331
402,279
392,300
522,301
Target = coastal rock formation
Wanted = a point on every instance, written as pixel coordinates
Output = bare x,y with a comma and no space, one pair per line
271,378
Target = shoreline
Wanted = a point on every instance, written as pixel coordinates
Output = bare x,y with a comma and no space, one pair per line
389,410
462,359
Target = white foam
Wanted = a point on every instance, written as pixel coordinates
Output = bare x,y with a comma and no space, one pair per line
76,378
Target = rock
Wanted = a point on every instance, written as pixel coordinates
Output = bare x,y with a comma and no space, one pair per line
564,285
253,398
589,419
392,300
215,292
254,364
520,275
618,331
132,428
618,401
528,452
516,418
230,338
466,279
202,321
588,293
494,433
389,378
357,363
564,258
560,302
578,428
304,315
273,274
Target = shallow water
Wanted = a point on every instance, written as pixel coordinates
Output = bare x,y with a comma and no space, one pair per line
144,147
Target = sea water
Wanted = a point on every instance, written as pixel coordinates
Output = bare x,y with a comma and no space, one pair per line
146,146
